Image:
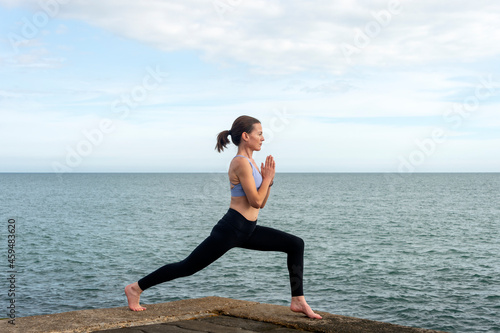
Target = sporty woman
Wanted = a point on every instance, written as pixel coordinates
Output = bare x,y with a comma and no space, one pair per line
250,190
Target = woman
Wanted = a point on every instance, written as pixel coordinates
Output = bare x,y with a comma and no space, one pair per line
238,227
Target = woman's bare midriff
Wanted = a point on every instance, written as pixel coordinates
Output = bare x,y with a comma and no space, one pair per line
241,205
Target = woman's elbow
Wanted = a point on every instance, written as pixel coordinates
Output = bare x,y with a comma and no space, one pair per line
256,204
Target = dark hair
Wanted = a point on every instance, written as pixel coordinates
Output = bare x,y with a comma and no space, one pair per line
241,125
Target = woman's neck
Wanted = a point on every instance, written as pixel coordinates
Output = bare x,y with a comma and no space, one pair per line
245,152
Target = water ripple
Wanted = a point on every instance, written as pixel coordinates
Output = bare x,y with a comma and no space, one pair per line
419,250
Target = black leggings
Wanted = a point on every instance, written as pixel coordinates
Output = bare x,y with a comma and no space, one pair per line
234,230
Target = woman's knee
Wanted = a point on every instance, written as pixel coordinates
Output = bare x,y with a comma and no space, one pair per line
297,243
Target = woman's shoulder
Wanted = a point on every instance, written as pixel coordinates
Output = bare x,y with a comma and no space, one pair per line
240,163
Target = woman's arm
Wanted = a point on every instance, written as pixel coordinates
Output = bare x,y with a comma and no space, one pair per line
267,195
272,164
244,172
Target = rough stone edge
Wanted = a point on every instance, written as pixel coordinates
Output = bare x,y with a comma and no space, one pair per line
115,318
282,315
84,321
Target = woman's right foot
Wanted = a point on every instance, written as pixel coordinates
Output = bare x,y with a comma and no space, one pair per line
299,304
133,292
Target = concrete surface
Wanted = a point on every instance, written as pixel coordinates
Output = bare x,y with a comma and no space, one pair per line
209,314
215,324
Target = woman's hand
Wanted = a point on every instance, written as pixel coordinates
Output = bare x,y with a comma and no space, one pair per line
268,170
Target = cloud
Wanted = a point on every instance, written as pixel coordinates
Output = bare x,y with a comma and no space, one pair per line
289,36
406,70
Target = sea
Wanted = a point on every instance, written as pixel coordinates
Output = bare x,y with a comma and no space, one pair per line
419,249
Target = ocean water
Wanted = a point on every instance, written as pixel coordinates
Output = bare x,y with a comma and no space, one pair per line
412,249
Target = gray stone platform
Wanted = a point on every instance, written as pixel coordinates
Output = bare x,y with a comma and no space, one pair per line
209,314
215,324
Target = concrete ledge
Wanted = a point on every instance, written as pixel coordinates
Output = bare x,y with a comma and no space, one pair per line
282,315
101,319
115,318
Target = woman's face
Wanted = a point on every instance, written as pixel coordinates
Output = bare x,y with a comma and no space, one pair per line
256,137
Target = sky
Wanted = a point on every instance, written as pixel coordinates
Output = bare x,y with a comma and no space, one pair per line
339,86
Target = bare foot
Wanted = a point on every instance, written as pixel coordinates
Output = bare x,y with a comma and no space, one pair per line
133,292
299,304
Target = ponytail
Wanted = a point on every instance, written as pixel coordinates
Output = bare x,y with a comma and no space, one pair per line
241,125
222,140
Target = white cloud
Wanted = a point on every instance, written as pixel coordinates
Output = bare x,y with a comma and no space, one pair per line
416,66
291,36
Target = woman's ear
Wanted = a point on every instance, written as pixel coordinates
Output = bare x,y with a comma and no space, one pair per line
245,136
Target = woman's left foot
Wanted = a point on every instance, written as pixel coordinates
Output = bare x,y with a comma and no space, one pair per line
133,292
299,304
